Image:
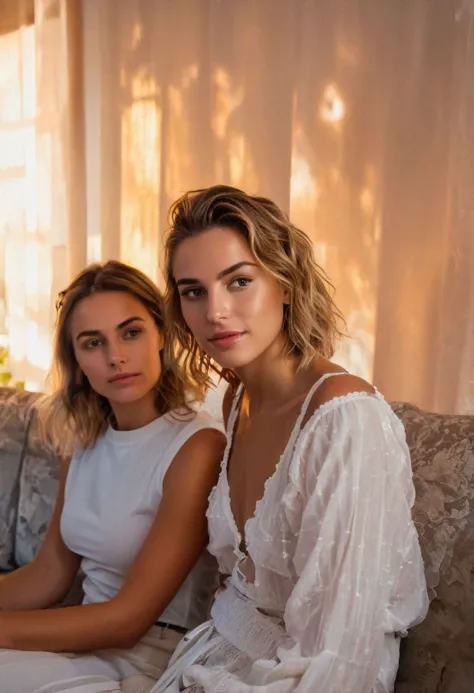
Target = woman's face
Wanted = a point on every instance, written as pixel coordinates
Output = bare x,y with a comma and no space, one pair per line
116,344
231,304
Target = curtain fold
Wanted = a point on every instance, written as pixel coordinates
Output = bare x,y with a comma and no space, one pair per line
42,227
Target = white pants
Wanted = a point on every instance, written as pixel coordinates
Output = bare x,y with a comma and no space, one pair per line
105,671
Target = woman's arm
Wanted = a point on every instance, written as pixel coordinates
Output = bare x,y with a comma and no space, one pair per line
357,557
175,541
49,577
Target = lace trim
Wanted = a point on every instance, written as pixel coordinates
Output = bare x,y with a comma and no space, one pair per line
337,402
223,476
223,466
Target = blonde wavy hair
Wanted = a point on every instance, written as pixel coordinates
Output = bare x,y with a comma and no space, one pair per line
74,415
311,320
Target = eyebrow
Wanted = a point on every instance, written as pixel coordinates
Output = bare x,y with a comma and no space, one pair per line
229,270
120,326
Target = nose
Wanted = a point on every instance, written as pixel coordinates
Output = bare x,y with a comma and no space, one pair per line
217,306
116,354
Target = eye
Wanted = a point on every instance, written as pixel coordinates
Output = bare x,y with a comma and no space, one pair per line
193,293
240,282
132,333
93,344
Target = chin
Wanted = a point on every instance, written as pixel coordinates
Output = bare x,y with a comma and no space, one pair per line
127,396
233,360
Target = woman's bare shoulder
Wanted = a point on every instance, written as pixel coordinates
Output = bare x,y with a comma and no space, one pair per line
337,383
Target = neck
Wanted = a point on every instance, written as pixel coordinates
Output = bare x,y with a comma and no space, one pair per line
271,378
133,415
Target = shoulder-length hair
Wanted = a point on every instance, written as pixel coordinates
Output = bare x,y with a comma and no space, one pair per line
311,320
75,415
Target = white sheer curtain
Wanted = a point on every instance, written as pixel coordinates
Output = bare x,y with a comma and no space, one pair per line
39,194
355,115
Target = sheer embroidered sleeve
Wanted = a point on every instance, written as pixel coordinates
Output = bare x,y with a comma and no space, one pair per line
360,570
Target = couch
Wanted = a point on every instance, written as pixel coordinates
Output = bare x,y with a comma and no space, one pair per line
436,657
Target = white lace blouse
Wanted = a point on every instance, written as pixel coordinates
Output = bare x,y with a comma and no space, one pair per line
333,573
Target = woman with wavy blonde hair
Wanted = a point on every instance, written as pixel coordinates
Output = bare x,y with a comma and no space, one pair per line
310,519
131,504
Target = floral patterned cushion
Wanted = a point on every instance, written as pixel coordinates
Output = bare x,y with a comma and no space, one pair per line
37,495
15,412
438,655
28,480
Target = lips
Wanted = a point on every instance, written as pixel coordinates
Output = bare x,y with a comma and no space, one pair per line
226,339
123,378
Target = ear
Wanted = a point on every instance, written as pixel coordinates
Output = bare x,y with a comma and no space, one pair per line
286,297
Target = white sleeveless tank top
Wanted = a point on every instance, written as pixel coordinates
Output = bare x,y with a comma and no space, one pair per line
112,496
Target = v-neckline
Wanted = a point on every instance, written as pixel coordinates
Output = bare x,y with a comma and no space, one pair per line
232,424
240,537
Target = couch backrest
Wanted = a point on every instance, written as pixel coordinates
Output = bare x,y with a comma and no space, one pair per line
28,480
438,655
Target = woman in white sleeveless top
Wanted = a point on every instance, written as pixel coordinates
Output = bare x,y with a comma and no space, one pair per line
131,505
310,519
